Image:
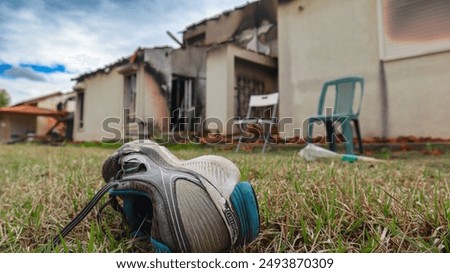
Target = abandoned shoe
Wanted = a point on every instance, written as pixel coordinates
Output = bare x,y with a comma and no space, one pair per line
196,205
221,172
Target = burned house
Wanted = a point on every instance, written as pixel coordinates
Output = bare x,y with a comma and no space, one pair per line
241,59
153,90
290,46
220,62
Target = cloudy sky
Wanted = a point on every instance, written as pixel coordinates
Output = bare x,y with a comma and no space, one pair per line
45,43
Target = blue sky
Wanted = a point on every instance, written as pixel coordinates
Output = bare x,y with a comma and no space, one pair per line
45,43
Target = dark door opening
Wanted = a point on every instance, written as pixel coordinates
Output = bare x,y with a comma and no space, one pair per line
182,103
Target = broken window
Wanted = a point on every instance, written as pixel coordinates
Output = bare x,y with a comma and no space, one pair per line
80,110
197,40
130,96
414,27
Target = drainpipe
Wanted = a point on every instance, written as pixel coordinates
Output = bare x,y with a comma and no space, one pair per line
384,101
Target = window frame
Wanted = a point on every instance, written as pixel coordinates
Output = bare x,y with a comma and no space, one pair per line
80,109
131,106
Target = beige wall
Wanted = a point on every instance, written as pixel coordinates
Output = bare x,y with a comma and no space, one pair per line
325,39
318,41
220,81
151,102
219,84
419,96
103,98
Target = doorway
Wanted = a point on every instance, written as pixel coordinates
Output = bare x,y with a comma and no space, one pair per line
182,107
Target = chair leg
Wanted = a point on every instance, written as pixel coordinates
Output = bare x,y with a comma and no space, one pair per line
309,131
348,135
239,144
358,134
330,135
264,147
240,138
266,135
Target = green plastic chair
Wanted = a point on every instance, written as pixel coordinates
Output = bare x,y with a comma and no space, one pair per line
342,112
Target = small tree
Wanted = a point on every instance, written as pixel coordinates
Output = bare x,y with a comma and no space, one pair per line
4,98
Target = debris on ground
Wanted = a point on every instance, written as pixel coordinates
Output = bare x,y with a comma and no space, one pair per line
312,152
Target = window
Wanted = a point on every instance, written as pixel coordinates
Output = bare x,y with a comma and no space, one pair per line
197,40
413,27
80,109
182,103
130,96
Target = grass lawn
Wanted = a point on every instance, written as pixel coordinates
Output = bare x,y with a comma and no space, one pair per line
326,206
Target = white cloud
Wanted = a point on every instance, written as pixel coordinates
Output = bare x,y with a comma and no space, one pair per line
86,35
24,72
22,89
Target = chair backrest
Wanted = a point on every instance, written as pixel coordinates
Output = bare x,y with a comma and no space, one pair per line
263,100
345,95
266,100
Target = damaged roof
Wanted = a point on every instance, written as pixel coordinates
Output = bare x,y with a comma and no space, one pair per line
124,60
216,17
29,110
104,69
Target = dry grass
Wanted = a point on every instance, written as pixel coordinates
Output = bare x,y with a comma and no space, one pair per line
402,206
